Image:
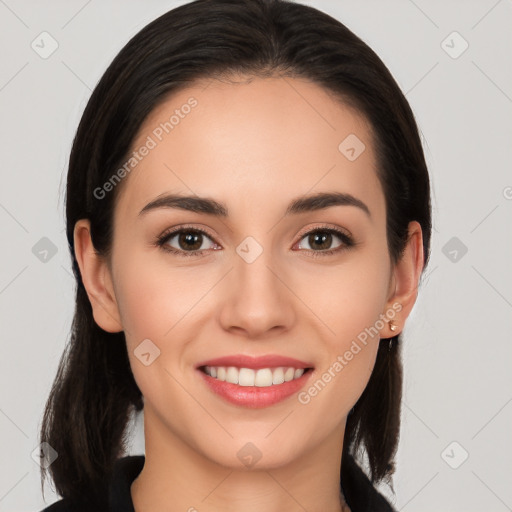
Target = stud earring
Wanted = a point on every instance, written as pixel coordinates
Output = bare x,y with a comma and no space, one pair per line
392,326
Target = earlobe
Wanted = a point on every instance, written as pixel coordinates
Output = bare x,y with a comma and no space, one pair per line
406,275
96,279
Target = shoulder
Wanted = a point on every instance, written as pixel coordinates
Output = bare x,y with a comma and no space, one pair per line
125,470
359,491
63,505
66,505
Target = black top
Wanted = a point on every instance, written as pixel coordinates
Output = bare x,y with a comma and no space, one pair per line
361,495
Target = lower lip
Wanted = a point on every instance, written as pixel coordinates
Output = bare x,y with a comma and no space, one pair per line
255,397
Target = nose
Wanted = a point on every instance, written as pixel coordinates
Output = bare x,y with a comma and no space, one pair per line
259,298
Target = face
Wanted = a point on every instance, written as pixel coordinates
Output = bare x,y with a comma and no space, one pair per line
258,280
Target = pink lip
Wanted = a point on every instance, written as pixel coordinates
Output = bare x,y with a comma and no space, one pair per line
254,397
267,361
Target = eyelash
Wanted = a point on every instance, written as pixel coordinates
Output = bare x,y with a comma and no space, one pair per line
347,240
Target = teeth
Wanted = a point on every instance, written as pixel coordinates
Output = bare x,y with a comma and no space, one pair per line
262,378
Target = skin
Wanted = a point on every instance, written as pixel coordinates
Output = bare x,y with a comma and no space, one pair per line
254,145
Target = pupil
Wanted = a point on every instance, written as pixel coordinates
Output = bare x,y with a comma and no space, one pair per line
188,240
323,237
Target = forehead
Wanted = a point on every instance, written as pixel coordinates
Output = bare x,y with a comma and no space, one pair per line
251,143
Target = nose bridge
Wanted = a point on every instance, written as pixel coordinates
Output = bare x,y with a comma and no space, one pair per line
254,267
257,299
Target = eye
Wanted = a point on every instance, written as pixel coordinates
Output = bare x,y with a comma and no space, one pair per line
322,239
190,241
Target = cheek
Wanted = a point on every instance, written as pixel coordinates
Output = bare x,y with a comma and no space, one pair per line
155,303
140,301
349,307
350,297
153,295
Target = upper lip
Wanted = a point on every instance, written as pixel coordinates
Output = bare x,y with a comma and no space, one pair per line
266,361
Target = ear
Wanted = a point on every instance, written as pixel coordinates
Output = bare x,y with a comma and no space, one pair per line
403,289
97,279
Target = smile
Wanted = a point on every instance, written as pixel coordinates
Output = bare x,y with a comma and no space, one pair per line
255,389
263,377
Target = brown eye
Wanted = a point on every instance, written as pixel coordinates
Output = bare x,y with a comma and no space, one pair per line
320,241
190,241
186,242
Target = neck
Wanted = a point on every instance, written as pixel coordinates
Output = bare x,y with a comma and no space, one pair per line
177,477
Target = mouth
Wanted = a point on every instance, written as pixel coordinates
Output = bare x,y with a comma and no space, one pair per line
249,377
254,388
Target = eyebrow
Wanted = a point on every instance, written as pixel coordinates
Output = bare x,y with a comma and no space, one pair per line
301,204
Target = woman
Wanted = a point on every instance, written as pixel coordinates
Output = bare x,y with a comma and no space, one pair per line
248,213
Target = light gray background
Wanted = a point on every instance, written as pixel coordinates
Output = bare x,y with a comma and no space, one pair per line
457,350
